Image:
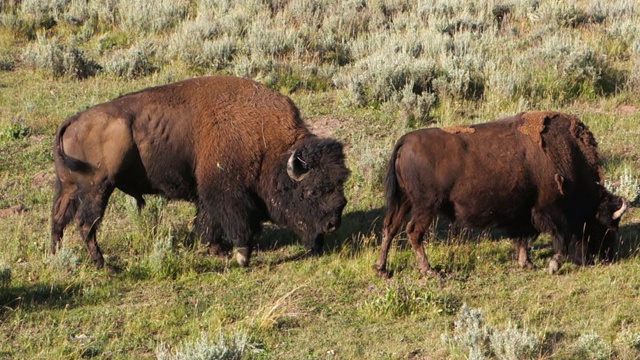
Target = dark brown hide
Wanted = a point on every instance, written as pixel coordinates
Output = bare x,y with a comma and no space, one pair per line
531,173
222,142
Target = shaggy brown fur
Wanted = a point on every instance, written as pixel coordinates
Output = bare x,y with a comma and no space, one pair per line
223,142
458,129
530,173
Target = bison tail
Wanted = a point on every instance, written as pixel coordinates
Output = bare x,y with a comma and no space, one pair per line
392,189
69,162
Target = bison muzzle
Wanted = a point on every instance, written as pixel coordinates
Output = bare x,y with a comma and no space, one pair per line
237,149
532,173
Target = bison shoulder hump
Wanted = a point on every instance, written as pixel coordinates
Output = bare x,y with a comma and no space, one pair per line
534,124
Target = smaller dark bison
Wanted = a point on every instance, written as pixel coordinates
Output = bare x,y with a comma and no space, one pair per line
527,174
237,149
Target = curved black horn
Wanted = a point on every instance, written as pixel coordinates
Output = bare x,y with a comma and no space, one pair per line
618,213
295,167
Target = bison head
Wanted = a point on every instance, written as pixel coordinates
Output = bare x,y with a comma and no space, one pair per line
306,192
600,238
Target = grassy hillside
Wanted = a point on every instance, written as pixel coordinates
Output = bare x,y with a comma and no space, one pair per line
364,72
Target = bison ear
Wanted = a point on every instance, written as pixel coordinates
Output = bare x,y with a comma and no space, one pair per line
296,166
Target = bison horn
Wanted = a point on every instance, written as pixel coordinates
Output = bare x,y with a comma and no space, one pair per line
619,212
295,167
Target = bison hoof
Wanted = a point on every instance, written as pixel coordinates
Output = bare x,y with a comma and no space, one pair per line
554,266
528,265
381,272
242,256
435,274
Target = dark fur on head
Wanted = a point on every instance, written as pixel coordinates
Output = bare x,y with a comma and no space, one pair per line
313,205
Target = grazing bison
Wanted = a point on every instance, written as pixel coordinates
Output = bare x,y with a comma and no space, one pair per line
531,173
237,149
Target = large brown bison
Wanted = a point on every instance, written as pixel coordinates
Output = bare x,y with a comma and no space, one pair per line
237,149
531,173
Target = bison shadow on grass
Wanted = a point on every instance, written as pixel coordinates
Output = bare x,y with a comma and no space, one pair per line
355,225
358,225
33,297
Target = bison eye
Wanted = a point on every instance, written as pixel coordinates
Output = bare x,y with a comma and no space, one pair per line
311,194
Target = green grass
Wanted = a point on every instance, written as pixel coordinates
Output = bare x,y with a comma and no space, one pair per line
377,69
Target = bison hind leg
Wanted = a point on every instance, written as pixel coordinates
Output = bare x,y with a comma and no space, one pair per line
392,222
416,229
90,213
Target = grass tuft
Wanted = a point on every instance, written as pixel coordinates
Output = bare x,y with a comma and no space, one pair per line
65,259
474,339
235,346
15,129
59,59
5,275
591,346
132,63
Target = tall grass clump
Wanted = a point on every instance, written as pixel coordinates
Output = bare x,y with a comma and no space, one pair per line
42,14
58,59
234,346
163,262
5,275
199,44
401,298
473,339
592,347
627,185
65,259
628,339
151,16
154,238
132,63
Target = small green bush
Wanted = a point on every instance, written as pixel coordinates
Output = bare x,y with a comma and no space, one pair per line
628,339
164,263
15,129
151,16
65,259
475,340
59,59
235,346
131,63
591,346
402,298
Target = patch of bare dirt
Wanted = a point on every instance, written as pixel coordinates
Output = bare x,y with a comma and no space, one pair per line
43,178
626,109
15,209
324,126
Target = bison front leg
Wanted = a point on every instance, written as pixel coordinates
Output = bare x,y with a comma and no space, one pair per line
522,252
210,233
233,215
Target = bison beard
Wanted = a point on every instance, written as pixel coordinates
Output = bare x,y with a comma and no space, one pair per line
237,149
532,173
